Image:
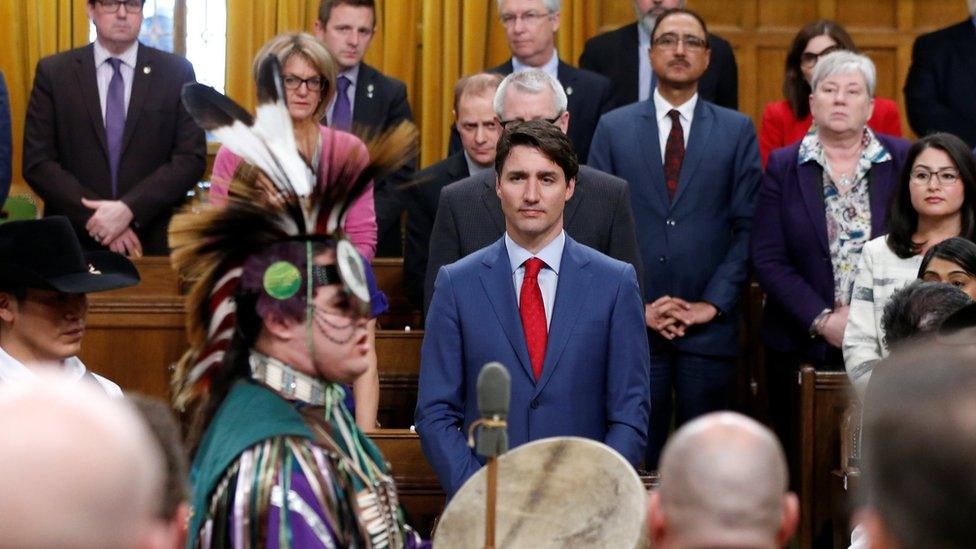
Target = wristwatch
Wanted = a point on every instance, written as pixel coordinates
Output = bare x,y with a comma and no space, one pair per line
817,322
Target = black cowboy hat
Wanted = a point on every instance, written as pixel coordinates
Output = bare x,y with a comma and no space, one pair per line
46,254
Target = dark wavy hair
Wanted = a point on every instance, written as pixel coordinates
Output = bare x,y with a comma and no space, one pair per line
902,217
957,250
918,309
796,89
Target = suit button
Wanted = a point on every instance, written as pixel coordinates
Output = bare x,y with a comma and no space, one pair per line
534,404
670,223
662,259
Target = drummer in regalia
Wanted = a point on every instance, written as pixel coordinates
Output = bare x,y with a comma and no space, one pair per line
277,322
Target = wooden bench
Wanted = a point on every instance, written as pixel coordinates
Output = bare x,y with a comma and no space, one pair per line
398,358
417,486
389,278
824,396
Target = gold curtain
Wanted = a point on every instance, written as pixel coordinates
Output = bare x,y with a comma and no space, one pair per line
30,30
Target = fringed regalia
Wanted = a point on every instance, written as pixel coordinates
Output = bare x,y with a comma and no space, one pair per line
281,462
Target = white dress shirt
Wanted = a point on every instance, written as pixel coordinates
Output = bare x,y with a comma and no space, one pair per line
104,72
353,75
551,255
662,108
551,67
13,371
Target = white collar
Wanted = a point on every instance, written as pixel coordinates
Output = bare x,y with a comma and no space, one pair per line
551,254
14,371
662,107
128,57
551,67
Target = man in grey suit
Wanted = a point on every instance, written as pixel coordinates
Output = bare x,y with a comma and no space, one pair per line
469,215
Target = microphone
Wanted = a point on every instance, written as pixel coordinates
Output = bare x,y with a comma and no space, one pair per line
494,393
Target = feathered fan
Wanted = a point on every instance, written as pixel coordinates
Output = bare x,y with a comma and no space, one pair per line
210,244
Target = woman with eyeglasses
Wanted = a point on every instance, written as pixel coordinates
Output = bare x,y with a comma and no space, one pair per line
309,74
934,202
787,121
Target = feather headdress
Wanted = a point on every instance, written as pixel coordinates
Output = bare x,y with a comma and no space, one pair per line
211,244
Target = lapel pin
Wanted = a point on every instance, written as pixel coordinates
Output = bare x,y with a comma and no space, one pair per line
146,70
569,90
369,91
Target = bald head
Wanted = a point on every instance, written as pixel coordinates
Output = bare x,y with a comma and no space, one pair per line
723,483
77,469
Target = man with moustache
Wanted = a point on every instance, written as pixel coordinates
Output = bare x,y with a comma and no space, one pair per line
622,56
107,142
564,319
469,215
367,102
694,173
44,279
479,130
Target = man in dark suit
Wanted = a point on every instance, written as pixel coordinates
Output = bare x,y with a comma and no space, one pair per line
366,102
475,122
469,215
938,90
621,56
564,319
530,28
694,198
107,141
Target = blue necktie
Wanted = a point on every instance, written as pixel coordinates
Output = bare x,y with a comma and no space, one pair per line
342,111
115,121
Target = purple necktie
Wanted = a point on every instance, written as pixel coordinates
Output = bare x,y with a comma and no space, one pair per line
115,120
341,111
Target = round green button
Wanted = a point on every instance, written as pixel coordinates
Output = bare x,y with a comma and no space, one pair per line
282,280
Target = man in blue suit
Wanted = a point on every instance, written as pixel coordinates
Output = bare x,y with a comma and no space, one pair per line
566,320
693,170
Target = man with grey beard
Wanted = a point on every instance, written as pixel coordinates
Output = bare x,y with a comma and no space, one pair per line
622,56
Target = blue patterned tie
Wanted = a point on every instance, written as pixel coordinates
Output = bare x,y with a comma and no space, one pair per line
115,120
342,111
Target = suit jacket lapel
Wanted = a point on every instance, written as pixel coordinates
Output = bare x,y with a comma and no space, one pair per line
574,281
457,168
141,78
496,279
810,179
365,111
567,76
505,68
647,137
572,206
88,84
698,146
490,200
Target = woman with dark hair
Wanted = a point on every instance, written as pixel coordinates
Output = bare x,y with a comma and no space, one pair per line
787,121
951,261
934,201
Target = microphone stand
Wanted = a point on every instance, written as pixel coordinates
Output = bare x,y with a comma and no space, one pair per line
492,441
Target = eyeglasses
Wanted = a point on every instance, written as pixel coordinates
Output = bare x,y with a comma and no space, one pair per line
552,120
945,177
112,6
529,18
808,59
670,41
315,83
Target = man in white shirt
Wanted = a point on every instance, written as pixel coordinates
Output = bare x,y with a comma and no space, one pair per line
107,142
566,320
44,279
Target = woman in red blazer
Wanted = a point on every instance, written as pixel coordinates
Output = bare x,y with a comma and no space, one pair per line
786,122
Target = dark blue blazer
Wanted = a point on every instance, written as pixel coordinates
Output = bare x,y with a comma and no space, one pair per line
695,247
790,251
940,82
595,380
6,150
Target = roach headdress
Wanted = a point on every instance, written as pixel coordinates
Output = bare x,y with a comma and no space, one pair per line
220,249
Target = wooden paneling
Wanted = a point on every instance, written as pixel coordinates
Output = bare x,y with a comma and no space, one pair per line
760,31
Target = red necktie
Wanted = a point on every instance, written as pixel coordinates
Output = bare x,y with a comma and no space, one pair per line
533,313
674,153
